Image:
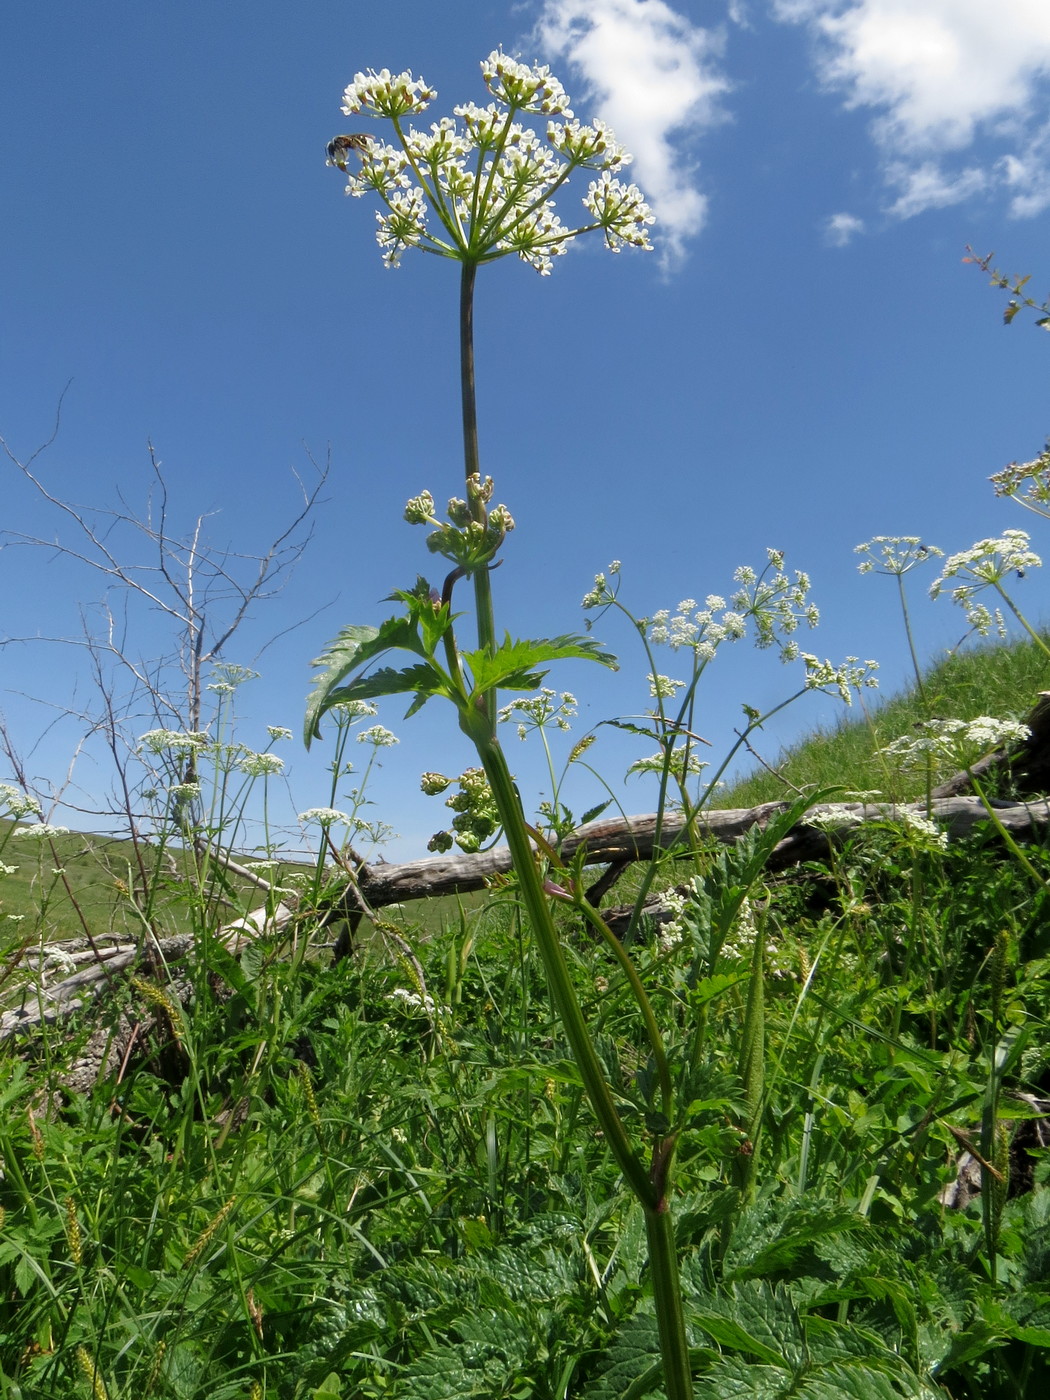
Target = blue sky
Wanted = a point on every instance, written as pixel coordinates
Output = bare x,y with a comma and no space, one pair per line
803,362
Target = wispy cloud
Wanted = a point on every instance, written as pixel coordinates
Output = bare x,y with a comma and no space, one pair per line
656,79
942,77
841,229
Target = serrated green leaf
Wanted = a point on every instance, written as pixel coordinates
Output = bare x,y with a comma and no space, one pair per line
754,1318
593,813
352,649
630,1361
511,665
423,680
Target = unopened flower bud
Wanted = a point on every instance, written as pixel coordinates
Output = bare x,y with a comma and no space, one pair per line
420,509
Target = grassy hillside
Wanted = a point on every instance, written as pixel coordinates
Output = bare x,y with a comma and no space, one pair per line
74,880
1003,681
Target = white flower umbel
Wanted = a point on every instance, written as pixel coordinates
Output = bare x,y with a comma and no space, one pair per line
1027,483
15,803
681,763
260,765
664,687
379,737
540,710
39,831
771,604
479,185
158,741
895,554
324,816
956,741
987,564
843,679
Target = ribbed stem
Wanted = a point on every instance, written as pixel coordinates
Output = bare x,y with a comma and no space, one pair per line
649,1186
472,467
667,1294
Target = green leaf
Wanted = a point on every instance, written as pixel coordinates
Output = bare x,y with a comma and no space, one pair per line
630,1363
511,666
433,617
421,680
353,648
754,1318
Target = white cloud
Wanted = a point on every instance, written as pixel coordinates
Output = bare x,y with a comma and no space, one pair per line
654,77
1027,176
928,186
941,77
840,229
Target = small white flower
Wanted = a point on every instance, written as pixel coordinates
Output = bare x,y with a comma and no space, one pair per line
257,765
536,711
61,961
849,676
664,687
683,762
956,741
386,95
184,792
346,711
987,562
277,732
412,1001
39,831
929,832
377,735
159,741
16,802
323,816
894,554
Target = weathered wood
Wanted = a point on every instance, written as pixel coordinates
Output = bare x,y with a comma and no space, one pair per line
601,843
1028,763
609,842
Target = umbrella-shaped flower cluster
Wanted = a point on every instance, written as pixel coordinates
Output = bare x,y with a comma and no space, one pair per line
480,184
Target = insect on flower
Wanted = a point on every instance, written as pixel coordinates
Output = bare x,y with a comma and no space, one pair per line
340,146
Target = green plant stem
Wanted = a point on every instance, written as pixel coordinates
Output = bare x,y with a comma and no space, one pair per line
1040,643
650,1187
920,689
1008,840
652,1030
667,1295
472,467
556,968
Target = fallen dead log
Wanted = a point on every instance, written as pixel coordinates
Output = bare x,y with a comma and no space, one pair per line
611,843
629,839
1028,764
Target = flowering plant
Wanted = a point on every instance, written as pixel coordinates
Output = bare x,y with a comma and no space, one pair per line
486,180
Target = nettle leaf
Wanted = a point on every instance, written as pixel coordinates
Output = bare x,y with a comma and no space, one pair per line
420,680
630,1361
511,666
424,606
352,649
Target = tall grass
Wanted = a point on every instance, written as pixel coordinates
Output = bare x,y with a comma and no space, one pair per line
1000,680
